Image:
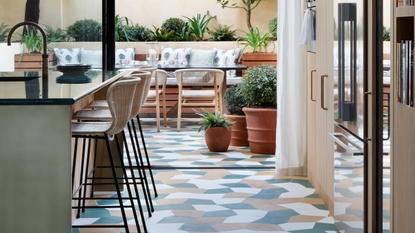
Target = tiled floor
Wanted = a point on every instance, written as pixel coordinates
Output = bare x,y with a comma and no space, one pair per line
235,191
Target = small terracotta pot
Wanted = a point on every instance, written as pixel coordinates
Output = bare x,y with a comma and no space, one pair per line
218,139
262,128
239,131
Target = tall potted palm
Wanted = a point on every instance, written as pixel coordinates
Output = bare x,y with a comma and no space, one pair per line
259,87
234,102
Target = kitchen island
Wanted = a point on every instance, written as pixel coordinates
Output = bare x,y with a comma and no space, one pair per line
35,148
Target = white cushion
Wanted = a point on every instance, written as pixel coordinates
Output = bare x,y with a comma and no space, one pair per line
198,93
202,57
93,58
124,54
172,54
68,56
227,57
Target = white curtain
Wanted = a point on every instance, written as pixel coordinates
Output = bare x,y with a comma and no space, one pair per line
290,153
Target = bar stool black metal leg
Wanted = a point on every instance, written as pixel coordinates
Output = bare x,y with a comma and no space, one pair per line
120,153
86,173
94,167
135,183
147,158
117,187
74,162
80,179
141,172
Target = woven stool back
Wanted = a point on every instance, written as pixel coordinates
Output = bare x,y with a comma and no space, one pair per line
152,70
145,77
120,96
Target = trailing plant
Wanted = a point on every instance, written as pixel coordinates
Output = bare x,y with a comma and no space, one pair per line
259,86
162,35
120,32
209,120
58,35
234,100
85,30
223,33
137,32
173,24
249,5
256,39
199,25
33,41
273,26
4,30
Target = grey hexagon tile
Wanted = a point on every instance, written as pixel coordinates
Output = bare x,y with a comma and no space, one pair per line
269,193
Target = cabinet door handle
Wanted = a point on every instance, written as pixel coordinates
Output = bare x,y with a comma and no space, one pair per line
322,91
313,71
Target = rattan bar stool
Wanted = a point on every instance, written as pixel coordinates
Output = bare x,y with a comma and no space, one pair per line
119,97
101,104
104,115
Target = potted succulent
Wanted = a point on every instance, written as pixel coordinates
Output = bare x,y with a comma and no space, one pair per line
234,102
259,42
259,88
217,131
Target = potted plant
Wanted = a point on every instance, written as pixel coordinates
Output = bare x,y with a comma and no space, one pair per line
217,131
259,42
259,88
234,102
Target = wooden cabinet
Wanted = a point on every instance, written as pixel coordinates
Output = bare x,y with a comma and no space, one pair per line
402,131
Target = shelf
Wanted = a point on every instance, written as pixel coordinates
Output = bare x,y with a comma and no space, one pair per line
405,11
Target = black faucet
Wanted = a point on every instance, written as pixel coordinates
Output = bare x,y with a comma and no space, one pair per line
45,60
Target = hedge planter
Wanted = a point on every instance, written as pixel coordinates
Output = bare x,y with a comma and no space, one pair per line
262,125
218,139
257,59
239,131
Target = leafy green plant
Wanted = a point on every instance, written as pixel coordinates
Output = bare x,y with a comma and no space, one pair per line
4,30
256,39
85,30
173,24
259,86
137,32
234,101
120,32
273,26
58,35
223,33
210,120
249,5
199,25
33,41
184,35
386,34
162,35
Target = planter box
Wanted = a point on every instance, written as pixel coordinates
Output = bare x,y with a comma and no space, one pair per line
31,62
257,59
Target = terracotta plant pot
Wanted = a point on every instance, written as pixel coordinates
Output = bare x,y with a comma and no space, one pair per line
262,126
218,139
239,131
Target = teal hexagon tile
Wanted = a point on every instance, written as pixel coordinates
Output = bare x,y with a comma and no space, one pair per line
176,219
108,202
160,196
165,160
347,193
203,163
219,213
352,175
233,159
181,206
386,196
320,206
386,176
276,181
217,191
232,165
235,176
277,217
305,183
202,173
110,220
183,185
359,183
96,213
267,162
182,151
387,215
237,185
269,193
386,185
163,151
325,227
197,228
212,153
192,201
265,156
314,195
76,230
239,206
